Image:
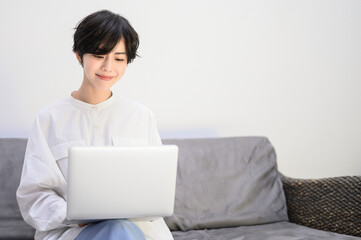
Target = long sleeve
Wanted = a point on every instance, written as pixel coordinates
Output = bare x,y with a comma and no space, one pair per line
41,181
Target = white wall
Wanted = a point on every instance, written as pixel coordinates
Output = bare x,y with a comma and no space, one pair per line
288,70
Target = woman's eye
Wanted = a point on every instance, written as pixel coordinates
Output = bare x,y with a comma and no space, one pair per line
98,56
119,60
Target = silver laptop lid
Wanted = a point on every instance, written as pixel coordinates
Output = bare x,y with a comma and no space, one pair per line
121,182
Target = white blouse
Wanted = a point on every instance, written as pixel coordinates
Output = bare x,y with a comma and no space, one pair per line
42,192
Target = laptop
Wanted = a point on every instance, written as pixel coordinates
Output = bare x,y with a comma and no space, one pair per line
133,182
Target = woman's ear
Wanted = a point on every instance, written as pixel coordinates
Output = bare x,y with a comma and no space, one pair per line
79,58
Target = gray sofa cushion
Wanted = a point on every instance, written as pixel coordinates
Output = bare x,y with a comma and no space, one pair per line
226,182
11,162
273,231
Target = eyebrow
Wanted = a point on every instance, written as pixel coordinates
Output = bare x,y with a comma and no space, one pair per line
120,53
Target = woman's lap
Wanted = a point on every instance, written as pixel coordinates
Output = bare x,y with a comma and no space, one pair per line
111,229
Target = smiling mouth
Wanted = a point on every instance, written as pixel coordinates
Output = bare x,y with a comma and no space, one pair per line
104,78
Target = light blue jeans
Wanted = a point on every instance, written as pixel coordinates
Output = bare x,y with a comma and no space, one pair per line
111,229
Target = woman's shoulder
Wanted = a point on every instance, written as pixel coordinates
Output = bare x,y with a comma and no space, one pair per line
58,106
131,105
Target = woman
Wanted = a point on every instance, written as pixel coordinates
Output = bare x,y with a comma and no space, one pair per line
104,43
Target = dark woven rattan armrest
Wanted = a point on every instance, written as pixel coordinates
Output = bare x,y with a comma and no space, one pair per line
329,204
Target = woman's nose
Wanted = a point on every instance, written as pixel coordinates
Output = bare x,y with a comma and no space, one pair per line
107,64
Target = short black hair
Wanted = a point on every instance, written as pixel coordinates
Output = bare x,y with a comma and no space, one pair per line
100,32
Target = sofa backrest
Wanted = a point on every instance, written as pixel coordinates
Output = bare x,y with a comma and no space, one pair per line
226,182
221,182
12,225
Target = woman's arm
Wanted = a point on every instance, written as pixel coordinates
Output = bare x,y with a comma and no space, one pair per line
41,183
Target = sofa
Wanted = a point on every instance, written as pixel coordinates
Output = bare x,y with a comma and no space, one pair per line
227,188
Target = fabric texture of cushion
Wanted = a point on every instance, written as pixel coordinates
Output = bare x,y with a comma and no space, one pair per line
272,231
226,182
12,225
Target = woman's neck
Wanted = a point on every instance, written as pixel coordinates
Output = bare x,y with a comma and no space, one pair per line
91,95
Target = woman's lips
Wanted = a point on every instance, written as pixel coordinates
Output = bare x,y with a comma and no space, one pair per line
105,78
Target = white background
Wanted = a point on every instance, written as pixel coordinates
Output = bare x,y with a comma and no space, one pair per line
289,70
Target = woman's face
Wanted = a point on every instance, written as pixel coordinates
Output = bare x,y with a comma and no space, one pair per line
101,72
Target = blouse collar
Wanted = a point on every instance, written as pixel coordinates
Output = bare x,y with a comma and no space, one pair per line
89,106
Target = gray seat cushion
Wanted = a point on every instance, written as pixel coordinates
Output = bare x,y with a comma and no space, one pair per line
12,225
226,182
273,231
